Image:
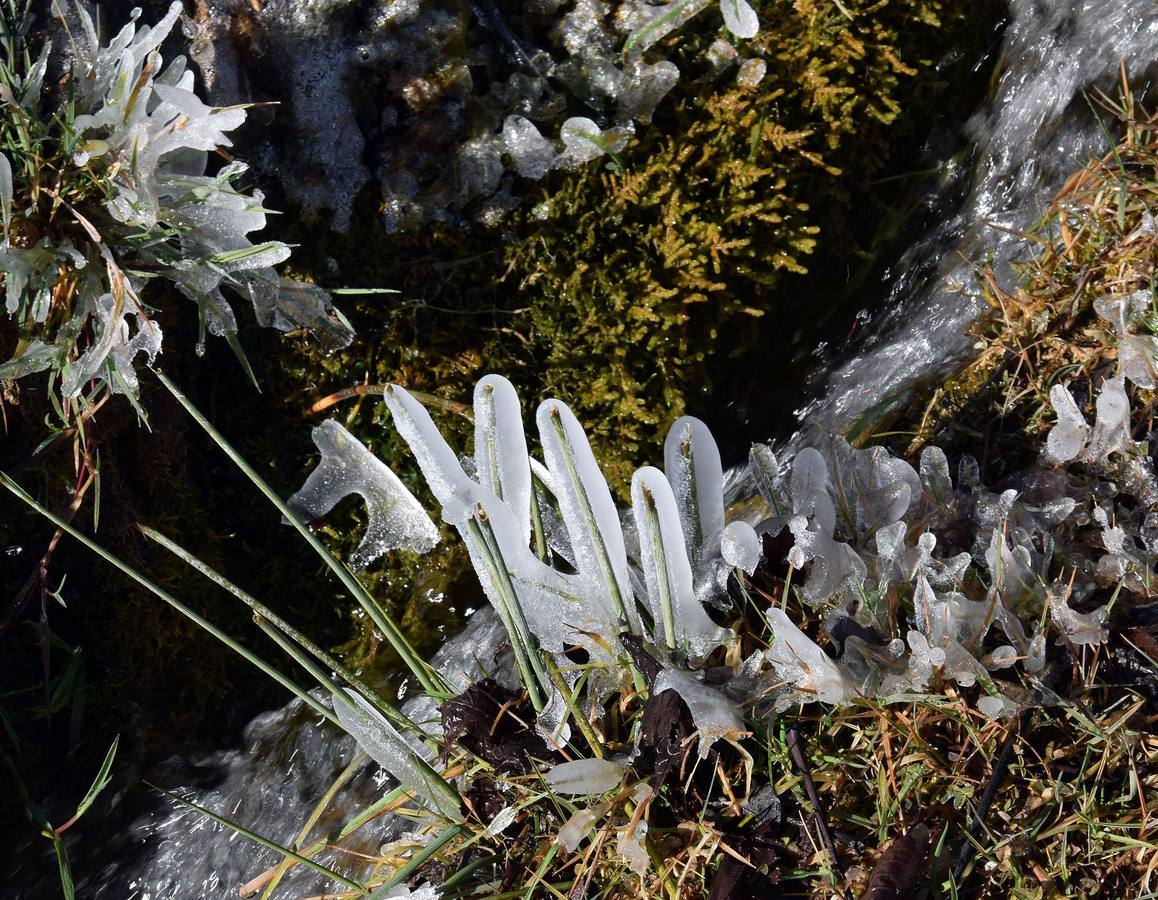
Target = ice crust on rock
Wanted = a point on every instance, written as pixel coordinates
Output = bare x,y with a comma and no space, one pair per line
396,518
532,154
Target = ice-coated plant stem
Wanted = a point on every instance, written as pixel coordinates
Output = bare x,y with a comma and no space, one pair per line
552,417
159,592
427,677
527,660
663,586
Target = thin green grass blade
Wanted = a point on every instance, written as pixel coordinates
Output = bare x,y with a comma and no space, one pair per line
419,860
508,609
144,582
265,842
100,782
66,884
380,703
427,677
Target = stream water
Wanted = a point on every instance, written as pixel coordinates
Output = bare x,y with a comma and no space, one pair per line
1034,130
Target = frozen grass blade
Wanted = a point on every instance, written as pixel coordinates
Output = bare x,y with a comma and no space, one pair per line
426,676
393,753
500,447
687,628
479,533
264,612
691,461
359,889
144,582
588,509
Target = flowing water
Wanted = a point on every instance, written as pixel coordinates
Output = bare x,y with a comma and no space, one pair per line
1036,128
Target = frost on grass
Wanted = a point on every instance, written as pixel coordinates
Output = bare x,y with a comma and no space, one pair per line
396,519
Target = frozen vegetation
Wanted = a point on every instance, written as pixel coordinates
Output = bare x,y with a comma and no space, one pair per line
130,152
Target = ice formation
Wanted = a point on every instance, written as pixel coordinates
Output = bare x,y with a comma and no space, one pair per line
920,580
714,716
560,92
396,519
583,777
145,135
1137,353
680,618
387,747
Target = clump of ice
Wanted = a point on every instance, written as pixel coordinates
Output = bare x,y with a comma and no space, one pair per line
143,136
798,660
714,716
1072,437
739,18
740,546
583,777
532,154
396,519
1137,353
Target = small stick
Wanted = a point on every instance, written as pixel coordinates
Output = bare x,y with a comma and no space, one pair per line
968,849
797,754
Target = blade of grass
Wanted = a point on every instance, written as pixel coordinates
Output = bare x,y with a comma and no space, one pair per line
419,860
427,677
144,582
381,704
